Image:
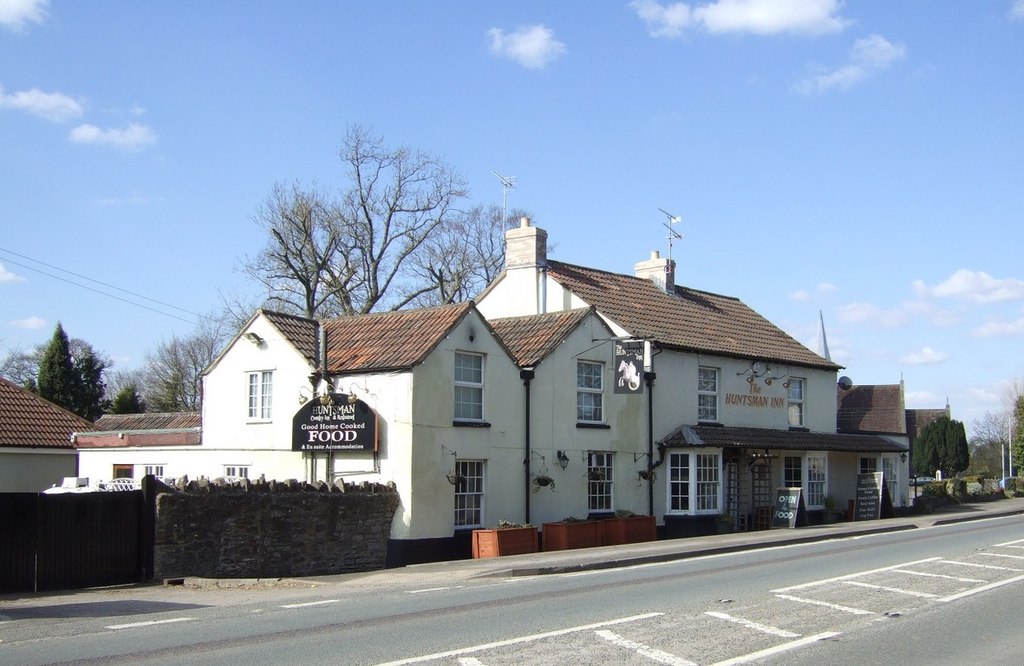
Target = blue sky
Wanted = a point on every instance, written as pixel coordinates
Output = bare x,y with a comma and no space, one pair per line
864,160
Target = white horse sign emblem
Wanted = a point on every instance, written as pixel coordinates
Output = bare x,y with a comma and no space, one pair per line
629,366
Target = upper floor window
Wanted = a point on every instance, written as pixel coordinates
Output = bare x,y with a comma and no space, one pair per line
260,394
707,394
469,387
599,482
469,493
796,401
589,391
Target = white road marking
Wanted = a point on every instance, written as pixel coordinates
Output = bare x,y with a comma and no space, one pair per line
979,566
435,589
149,623
785,647
883,588
1009,557
959,579
853,575
983,588
311,603
1011,544
815,602
516,641
643,650
470,661
756,626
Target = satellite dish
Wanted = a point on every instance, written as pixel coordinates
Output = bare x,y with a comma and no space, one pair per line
845,383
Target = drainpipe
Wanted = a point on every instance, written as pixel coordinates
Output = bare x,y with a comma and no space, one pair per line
527,374
649,377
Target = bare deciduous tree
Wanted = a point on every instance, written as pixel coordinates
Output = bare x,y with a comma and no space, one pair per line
171,374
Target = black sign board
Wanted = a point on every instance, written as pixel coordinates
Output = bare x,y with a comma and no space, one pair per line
629,366
873,500
789,508
340,425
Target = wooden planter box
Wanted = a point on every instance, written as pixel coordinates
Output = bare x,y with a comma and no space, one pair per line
632,529
504,541
566,535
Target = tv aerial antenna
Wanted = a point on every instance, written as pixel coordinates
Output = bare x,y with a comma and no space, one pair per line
672,233
507,183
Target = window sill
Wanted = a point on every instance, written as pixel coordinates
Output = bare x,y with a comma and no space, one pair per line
593,426
470,424
259,421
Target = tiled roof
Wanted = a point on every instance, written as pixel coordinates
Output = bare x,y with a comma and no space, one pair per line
690,320
917,419
26,420
388,340
156,421
532,338
299,331
774,440
876,408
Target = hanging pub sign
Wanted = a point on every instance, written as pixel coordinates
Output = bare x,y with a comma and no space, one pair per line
629,366
338,426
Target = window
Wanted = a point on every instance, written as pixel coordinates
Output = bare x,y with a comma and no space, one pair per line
695,482
707,394
236,471
260,394
793,472
155,470
469,387
868,465
816,488
124,471
599,482
796,402
589,391
889,470
469,494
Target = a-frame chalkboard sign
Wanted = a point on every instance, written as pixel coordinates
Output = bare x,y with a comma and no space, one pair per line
789,510
873,500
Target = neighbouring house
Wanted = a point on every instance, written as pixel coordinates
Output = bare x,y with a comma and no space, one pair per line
130,446
36,451
562,390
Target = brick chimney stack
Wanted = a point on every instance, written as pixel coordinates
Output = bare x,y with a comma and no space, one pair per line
526,246
661,272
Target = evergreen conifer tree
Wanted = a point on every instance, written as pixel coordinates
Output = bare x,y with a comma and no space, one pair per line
57,380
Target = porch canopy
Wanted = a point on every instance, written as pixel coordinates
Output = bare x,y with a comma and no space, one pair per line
767,438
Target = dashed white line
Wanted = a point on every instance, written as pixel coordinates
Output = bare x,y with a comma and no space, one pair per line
764,628
149,623
897,590
519,640
1010,544
959,579
825,604
785,647
311,603
979,566
654,654
853,575
983,588
436,589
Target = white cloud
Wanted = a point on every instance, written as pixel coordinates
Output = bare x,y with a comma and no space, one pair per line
994,329
867,57
761,17
974,286
55,107
133,137
924,356
1017,10
7,276
866,313
821,289
532,47
32,323
14,14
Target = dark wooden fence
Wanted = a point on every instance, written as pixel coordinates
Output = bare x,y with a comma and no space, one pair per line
74,540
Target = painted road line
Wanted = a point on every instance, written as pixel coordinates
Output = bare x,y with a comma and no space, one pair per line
518,641
825,604
756,626
979,566
435,589
959,579
983,588
1011,544
883,588
312,603
149,623
643,650
778,649
853,575
470,661
1009,557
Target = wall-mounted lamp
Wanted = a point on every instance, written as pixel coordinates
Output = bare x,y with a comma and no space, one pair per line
326,399
253,338
563,459
903,457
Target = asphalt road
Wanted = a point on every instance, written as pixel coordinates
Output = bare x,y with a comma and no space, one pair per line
941,594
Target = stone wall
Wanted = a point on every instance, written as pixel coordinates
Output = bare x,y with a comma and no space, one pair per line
270,529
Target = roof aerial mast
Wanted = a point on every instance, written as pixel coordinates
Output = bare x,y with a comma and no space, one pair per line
672,233
507,183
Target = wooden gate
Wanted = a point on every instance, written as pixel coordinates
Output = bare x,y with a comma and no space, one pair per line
73,540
